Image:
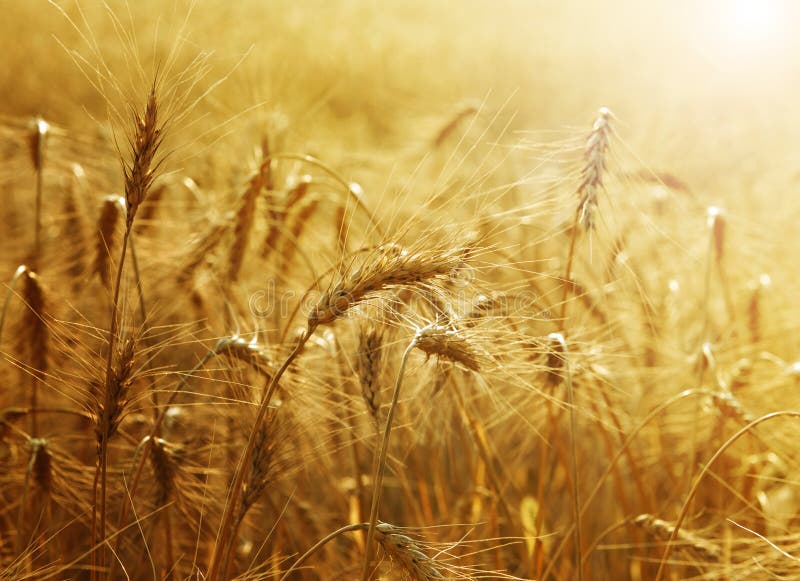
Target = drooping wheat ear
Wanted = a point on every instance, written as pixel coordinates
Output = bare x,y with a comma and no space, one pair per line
407,553
697,547
37,338
37,141
199,251
110,215
163,465
401,548
140,170
389,266
249,352
447,342
593,169
245,217
757,289
369,366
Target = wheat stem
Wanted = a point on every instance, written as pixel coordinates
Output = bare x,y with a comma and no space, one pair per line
380,467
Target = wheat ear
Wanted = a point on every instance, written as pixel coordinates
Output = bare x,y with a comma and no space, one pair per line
110,215
399,546
37,142
590,185
164,468
38,335
75,229
245,217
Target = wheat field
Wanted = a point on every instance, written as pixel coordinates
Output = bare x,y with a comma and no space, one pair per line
406,290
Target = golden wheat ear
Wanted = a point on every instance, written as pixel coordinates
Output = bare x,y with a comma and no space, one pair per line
140,170
110,217
369,367
37,142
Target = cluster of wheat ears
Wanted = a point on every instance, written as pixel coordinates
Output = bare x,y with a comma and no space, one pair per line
497,367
